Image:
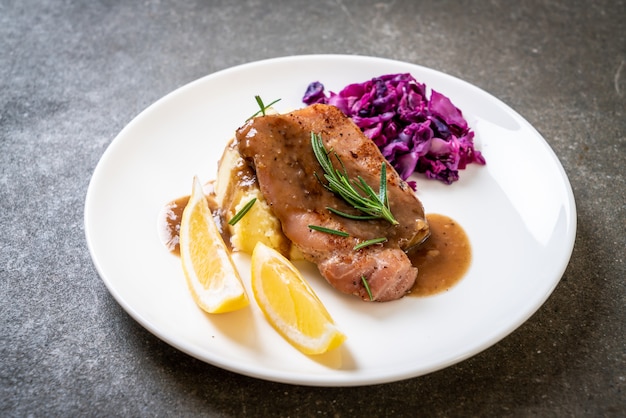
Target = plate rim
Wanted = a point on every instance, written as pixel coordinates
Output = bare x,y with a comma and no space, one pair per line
323,379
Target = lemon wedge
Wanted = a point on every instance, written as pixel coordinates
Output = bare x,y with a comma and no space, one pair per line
290,305
211,275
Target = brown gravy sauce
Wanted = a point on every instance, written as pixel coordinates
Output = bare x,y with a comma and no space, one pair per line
441,261
169,222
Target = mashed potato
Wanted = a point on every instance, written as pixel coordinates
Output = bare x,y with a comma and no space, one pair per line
235,186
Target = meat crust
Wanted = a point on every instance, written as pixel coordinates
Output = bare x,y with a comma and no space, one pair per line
278,148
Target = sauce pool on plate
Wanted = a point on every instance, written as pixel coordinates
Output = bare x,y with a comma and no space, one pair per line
443,259
169,223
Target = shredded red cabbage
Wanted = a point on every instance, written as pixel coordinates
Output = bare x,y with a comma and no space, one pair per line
414,133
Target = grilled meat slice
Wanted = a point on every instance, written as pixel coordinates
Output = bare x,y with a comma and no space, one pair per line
278,148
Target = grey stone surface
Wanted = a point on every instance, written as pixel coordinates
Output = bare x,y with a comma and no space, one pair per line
73,73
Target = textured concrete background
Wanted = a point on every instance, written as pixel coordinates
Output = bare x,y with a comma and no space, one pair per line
73,73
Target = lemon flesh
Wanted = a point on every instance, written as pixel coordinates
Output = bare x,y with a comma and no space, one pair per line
290,305
211,275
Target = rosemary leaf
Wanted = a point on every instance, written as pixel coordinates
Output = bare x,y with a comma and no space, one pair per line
242,212
329,230
263,107
350,216
369,242
382,191
367,287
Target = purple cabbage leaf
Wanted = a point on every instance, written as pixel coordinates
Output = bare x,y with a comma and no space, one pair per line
414,133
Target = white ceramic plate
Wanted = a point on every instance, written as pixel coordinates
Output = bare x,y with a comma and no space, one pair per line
518,211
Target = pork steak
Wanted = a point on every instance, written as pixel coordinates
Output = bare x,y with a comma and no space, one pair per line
278,148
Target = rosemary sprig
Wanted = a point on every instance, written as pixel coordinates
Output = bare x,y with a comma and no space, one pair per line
369,242
329,230
355,192
367,287
263,107
242,212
